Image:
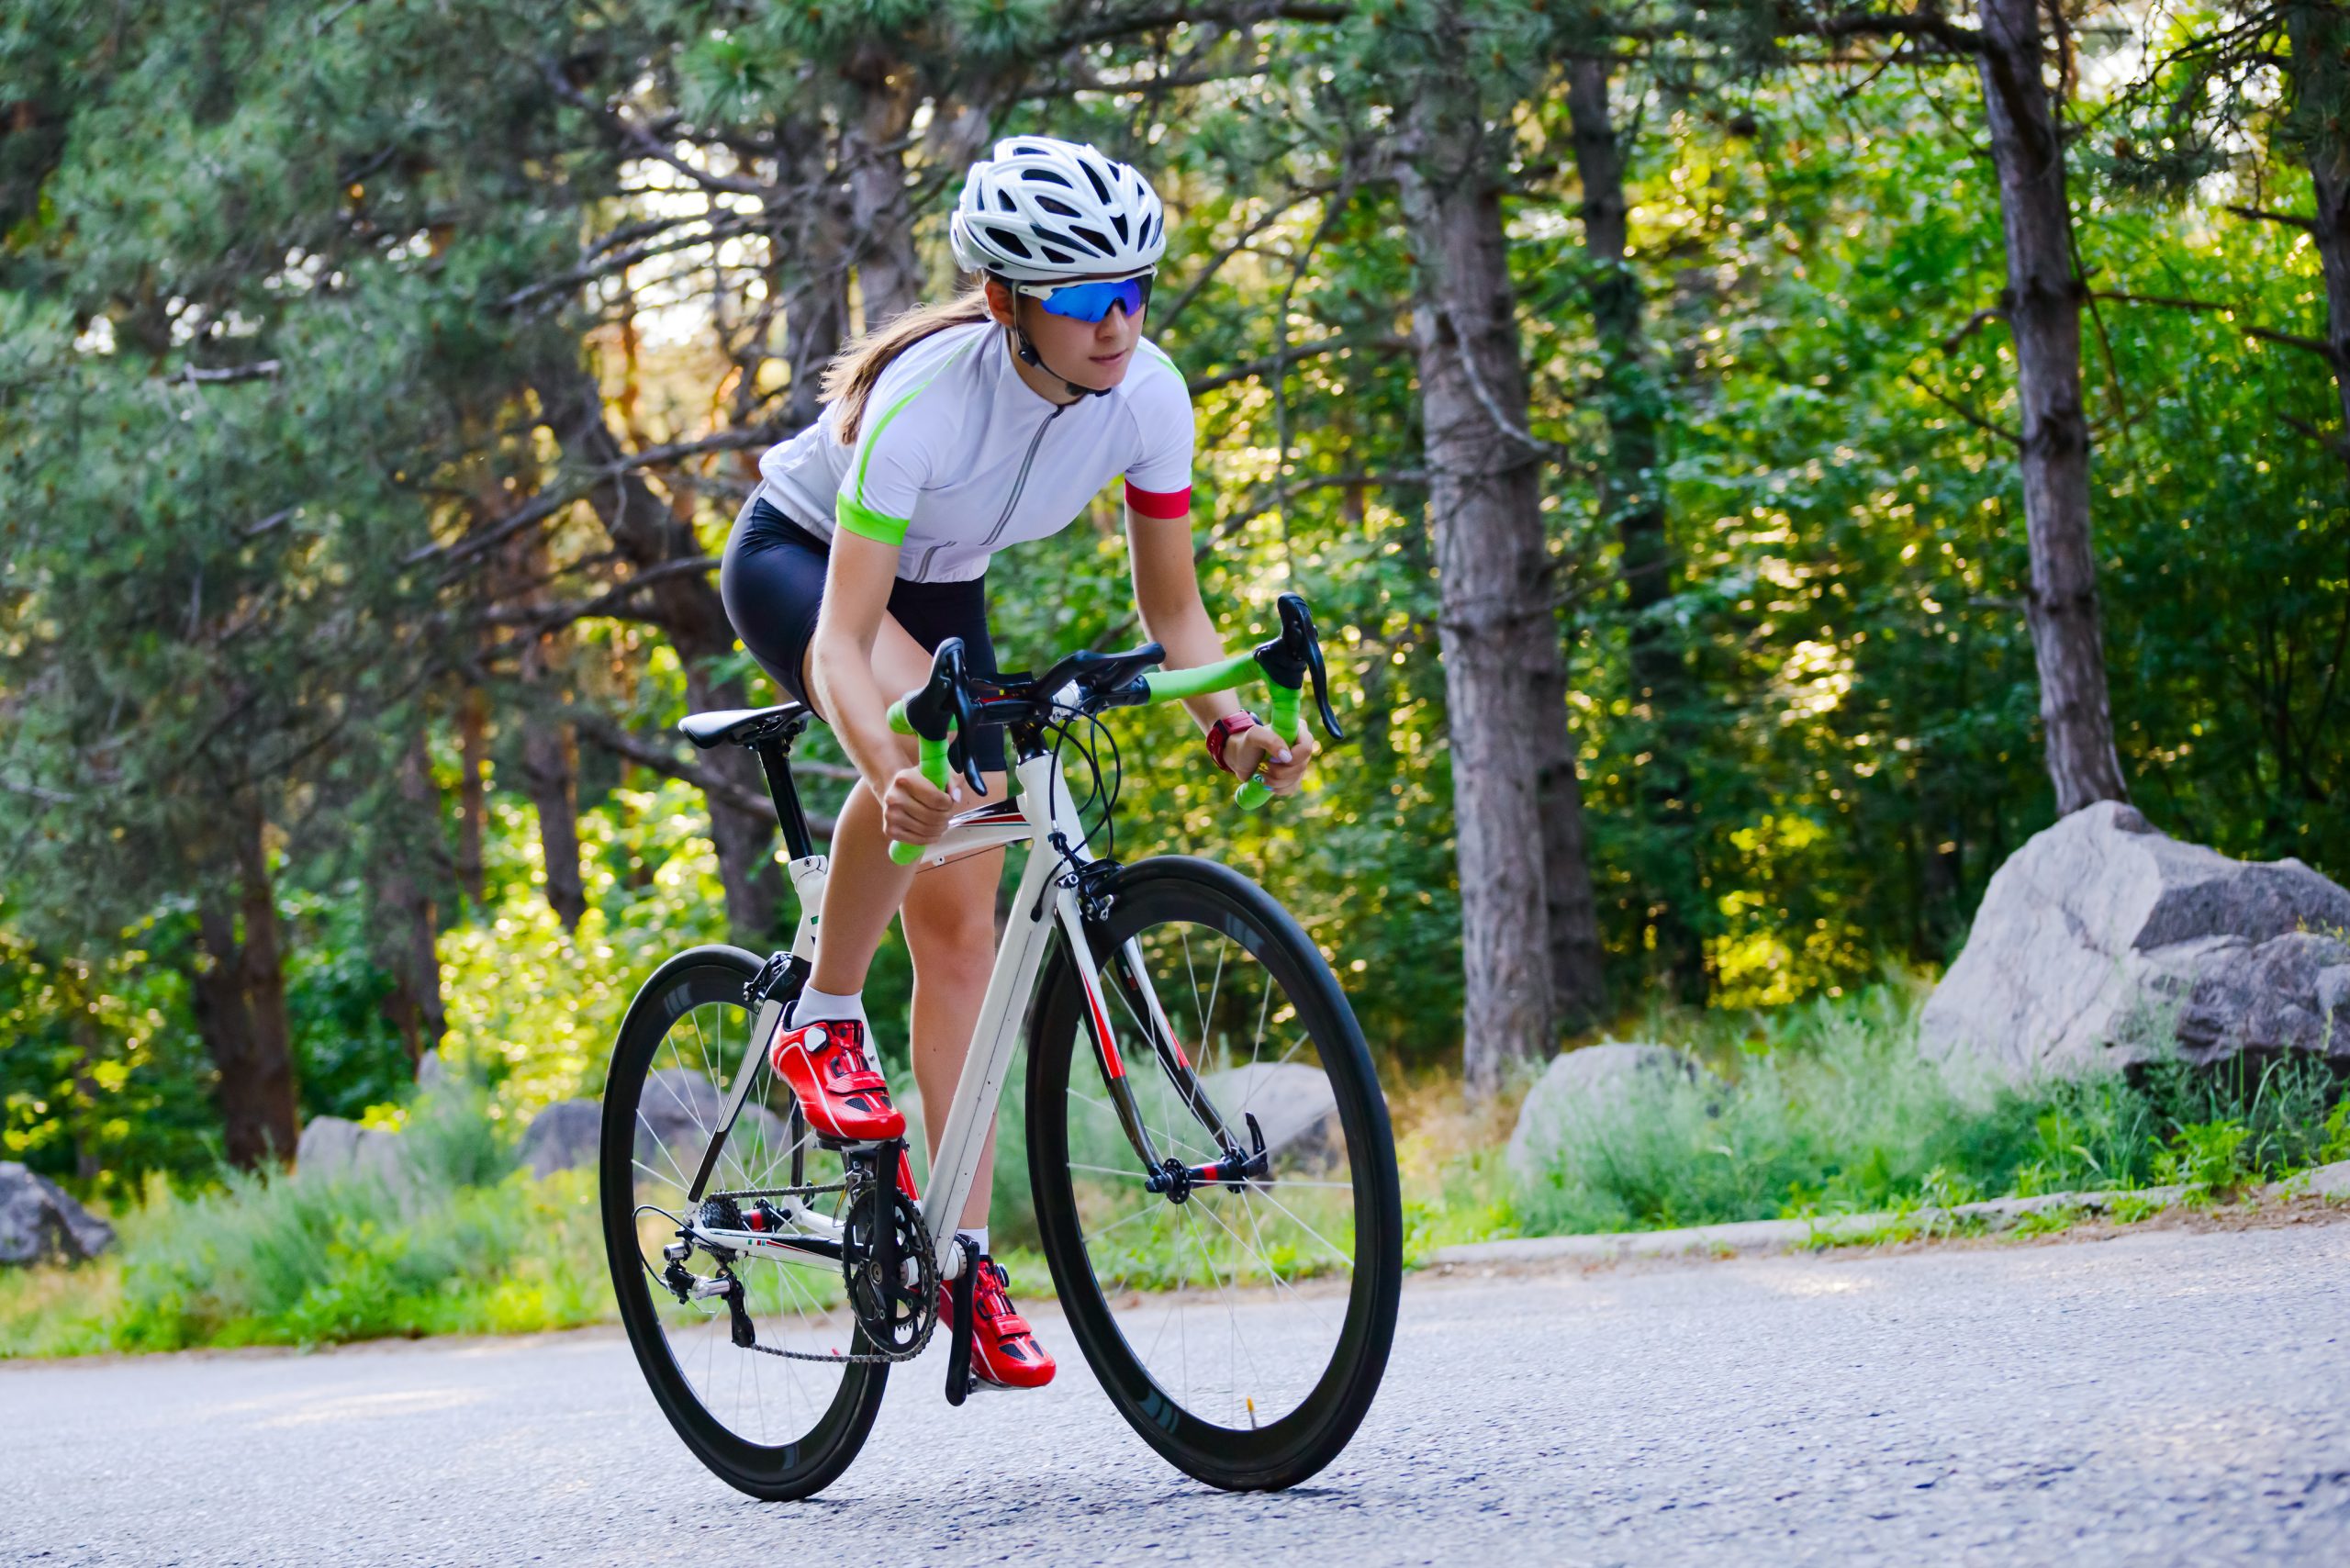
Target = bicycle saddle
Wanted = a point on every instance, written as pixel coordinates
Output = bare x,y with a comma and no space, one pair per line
742,726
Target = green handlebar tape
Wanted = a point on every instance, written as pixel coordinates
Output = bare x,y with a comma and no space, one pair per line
897,719
933,767
1254,791
1176,685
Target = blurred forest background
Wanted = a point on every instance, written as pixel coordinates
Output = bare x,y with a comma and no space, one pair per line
1753,465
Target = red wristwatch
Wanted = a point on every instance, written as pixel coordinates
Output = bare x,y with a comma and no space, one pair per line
1220,735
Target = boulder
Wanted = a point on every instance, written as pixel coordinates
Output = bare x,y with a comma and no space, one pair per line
40,1223
332,1149
2105,943
561,1136
1584,1088
1293,1106
678,1107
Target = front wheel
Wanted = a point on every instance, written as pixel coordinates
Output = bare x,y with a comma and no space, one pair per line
1240,1326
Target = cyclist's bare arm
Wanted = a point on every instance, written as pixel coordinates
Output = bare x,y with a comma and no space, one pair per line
1167,592
857,581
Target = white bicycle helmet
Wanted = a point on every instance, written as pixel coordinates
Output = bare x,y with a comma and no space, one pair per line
1041,209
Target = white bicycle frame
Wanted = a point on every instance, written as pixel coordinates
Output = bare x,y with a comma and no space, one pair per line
1043,809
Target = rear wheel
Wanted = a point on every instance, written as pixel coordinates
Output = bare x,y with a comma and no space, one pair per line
772,1425
1241,1331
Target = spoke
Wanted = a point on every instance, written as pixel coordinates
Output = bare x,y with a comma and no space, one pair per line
1257,1041
655,1175
1280,1281
1110,1170
683,1184
1215,982
1335,1253
1231,1313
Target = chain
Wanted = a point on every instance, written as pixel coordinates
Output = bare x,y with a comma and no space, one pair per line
872,1357
782,1191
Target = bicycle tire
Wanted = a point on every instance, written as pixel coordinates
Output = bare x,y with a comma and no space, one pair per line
1153,895
704,977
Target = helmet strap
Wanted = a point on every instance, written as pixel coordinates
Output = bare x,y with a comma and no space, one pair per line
1029,355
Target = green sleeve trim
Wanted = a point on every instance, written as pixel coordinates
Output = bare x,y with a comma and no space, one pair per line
866,456
863,521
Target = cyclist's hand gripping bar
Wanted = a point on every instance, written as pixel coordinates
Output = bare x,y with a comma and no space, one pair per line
926,716
1287,662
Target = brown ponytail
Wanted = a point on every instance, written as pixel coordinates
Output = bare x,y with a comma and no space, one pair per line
850,378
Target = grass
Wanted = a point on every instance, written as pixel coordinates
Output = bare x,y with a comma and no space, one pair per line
1827,1108
1812,1110
465,1245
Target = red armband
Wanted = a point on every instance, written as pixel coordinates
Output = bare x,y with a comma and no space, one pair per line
1160,503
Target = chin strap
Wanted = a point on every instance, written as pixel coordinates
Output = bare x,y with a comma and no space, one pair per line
1029,355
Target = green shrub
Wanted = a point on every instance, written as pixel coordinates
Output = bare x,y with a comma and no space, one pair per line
1828,1107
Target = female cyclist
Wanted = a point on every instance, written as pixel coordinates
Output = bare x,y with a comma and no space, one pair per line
948,433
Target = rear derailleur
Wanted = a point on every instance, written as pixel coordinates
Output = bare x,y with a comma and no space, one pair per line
883,1248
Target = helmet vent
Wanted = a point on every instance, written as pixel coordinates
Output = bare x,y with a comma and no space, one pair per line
1055,205
1118,221
1011,242
1051,176
1095,238
1099,188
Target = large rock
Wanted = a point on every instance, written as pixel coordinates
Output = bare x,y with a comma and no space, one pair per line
2103,943
1293,1106
40,1223
561,1136
334,1149
1582,1092
678,1107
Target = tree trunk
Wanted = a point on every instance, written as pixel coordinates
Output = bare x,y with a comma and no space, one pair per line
409,872
473,800
1632,498
2320,45
1505,688
2043,313
888,270
688,611
549,767
238,990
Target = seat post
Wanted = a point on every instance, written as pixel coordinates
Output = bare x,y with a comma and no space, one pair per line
774,756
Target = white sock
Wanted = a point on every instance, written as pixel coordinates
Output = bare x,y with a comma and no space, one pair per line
979,1238
814,1006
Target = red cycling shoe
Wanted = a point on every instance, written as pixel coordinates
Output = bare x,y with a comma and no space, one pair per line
840,1092
1003,1352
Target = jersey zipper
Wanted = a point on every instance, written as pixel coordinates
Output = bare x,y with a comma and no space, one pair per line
922,572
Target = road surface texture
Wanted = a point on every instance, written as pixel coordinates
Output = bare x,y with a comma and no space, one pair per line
2165,1397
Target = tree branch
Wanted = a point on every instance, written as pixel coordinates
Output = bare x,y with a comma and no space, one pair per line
2012,438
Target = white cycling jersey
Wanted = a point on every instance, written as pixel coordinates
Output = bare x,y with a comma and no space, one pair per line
957,457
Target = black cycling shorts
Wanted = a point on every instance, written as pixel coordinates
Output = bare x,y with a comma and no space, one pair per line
772,581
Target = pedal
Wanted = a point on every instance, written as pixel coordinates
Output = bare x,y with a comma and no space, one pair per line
964,1290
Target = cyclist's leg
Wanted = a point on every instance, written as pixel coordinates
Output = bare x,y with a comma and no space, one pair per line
950,932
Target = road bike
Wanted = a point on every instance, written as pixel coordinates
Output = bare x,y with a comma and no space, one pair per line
1208,1150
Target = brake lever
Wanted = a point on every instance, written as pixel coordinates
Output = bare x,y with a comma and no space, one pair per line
965,723
1295,656
1314,668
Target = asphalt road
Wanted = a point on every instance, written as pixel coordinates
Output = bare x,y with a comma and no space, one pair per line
2160,1397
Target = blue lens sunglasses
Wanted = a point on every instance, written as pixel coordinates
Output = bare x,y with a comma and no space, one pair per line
1091,301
